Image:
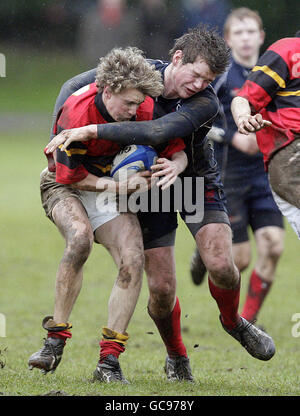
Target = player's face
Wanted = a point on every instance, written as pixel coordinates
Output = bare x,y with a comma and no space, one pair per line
122,106
244,38
190,78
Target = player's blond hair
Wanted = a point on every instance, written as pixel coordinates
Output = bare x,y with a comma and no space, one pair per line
242,13
124,68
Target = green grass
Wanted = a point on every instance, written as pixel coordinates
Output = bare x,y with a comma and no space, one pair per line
33,79
31,248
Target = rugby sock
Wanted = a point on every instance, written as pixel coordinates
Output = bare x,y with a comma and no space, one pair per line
112,343
228,303
54,330
64,335
170,331
257,291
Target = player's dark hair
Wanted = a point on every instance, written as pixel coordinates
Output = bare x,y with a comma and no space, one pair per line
206,43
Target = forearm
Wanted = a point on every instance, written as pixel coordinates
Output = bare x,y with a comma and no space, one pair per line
93,183
180,158
240,107
152,132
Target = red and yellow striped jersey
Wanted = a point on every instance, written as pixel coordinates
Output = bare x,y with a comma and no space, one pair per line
273,89
82,108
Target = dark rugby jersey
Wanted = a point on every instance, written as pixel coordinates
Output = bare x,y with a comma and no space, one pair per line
273,90
199,113
230,159
85,107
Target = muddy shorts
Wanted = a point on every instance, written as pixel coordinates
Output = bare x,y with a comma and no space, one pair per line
100,208
53,192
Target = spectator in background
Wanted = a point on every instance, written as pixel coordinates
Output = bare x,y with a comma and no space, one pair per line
105,25
209,12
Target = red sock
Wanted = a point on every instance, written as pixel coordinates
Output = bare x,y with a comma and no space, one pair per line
110,347
257,291
170,332
228,303
64,335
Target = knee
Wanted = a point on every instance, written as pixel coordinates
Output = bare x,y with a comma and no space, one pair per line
275,248
223,272
78,247
161,298
162,289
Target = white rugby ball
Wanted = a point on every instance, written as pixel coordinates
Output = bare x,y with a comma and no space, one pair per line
132,159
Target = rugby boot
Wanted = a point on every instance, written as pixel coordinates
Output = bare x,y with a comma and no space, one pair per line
109,371
257,342
48,357
197,268
178,369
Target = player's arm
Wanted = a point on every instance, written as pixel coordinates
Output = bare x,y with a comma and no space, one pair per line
194,113
140,181
267,78
246,123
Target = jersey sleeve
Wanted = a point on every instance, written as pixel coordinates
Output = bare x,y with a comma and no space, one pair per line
69,164
68,88
266,79
173,146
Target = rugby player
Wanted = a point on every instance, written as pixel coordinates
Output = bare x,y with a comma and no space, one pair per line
70,189
249,197
268,104
191,103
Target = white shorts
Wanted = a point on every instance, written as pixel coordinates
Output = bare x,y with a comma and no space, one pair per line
101,207
291,212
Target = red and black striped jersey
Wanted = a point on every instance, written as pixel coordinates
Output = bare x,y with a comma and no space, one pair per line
273,89
85,107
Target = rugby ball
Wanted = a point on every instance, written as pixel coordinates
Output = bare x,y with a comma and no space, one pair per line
132,159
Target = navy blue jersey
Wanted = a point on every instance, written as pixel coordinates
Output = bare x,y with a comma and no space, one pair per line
230,159
199,150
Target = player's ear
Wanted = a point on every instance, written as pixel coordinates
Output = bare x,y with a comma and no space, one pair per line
106,92
177,57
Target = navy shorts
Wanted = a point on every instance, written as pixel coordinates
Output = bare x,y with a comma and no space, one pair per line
250,203
159,228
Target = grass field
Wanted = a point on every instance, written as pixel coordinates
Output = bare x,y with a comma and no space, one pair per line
30,251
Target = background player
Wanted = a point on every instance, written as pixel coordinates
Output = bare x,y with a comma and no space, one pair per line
268,103
249,198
